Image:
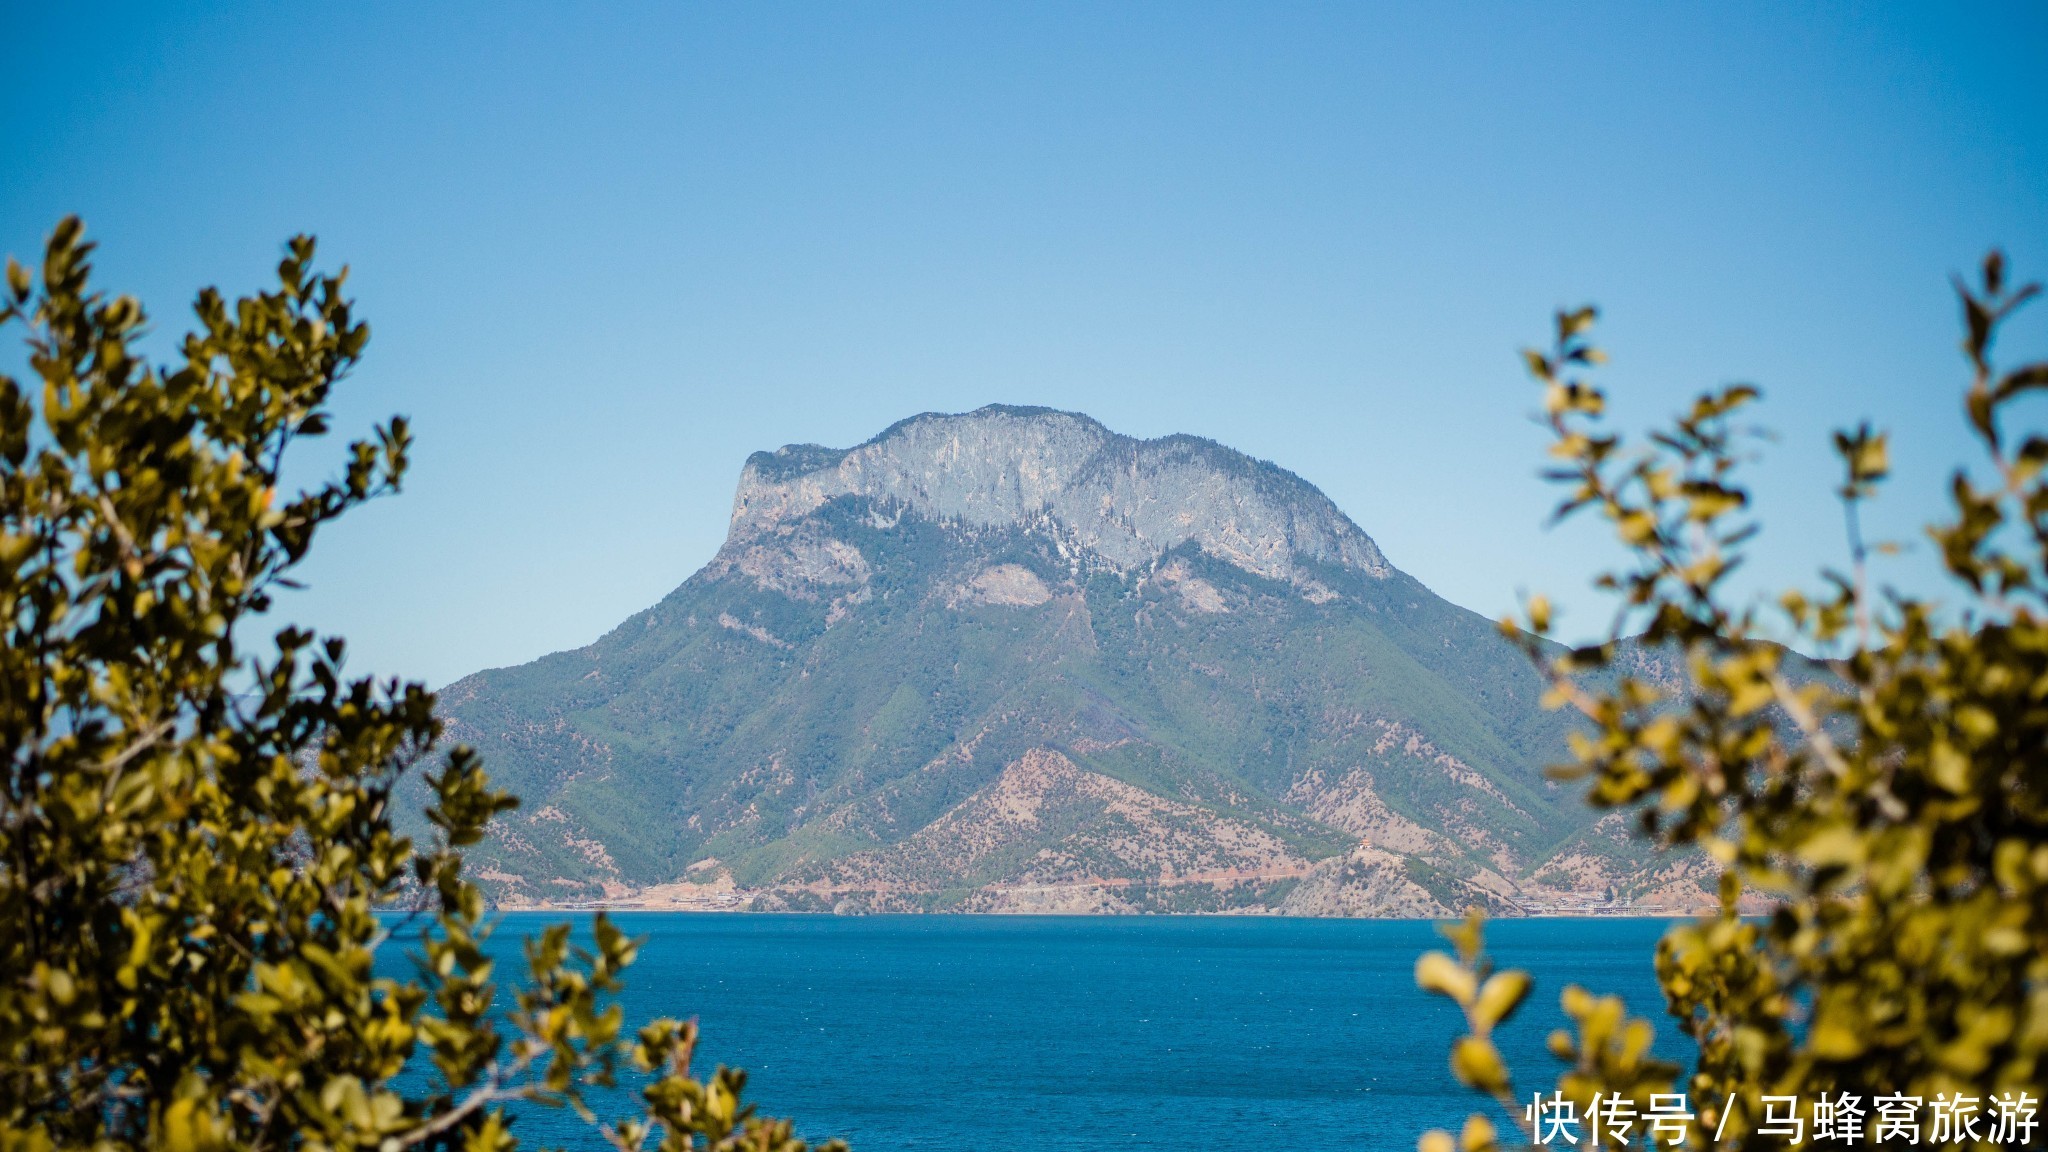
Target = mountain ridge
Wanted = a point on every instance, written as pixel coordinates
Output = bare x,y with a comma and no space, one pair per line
1002,464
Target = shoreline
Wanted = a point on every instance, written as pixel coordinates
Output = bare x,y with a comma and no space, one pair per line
1086,897
586,908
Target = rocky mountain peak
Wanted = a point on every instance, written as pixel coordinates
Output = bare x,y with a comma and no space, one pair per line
1126,500
910,681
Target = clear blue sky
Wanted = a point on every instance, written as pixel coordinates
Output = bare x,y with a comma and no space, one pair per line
609,250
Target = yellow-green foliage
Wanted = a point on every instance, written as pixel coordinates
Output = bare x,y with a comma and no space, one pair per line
1895,814
196,831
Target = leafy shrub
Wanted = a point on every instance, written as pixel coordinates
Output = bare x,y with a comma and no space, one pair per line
1895,814
197,836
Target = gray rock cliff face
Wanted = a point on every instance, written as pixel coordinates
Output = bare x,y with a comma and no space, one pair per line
1124,500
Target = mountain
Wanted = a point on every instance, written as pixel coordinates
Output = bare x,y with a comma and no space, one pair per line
1013,661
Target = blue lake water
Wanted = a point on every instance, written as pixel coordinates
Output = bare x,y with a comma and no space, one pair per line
1085,1033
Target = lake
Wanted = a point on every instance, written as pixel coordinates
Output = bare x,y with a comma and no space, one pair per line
1084,1033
